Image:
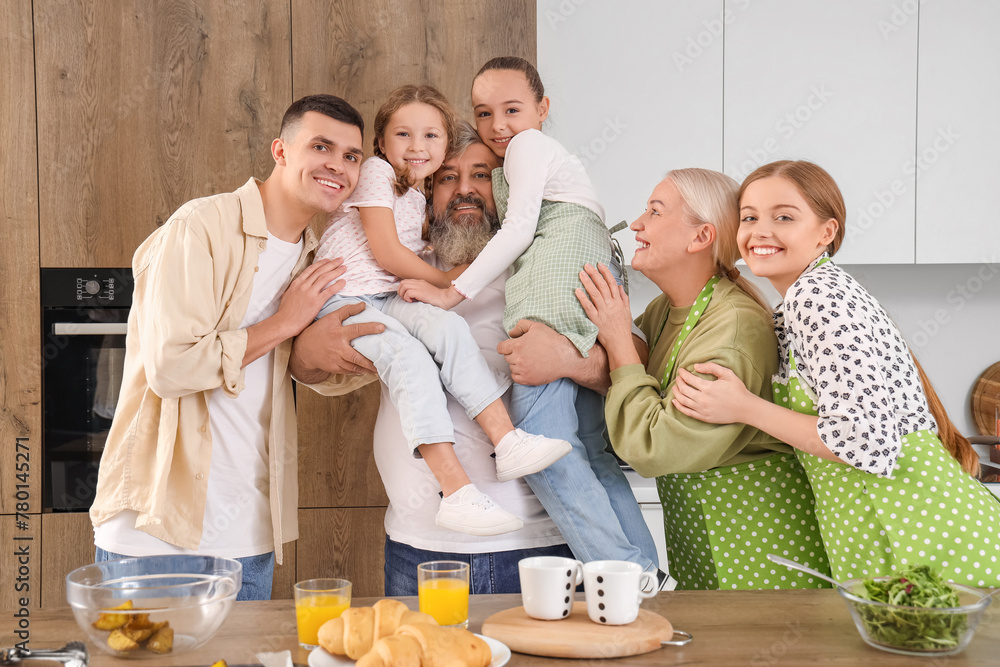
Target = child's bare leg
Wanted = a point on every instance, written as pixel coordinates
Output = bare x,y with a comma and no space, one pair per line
441,459
495,421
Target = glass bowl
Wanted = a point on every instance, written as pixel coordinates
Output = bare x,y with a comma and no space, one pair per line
916,630
150,606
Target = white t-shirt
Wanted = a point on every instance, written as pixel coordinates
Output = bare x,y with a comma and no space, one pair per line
409,483
237,509
537,167
345,235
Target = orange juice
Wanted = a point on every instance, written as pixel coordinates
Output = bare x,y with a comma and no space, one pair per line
447,600
315,610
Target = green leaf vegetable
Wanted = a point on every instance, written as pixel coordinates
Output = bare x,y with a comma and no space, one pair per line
915,629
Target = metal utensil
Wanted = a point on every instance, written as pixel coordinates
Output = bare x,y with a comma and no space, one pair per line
802,568
73,654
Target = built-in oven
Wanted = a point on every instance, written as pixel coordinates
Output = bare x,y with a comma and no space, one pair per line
84,319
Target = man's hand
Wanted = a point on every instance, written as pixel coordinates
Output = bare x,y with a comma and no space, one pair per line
308,292
538,355
445,298
324,348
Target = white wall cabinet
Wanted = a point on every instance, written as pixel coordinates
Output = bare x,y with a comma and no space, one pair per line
958,136
636,90
826,82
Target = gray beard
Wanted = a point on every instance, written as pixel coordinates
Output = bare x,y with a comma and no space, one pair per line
461,242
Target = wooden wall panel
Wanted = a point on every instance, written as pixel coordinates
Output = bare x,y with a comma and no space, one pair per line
362,49
20,381
282,587
343,542
20,563
67,543
143,106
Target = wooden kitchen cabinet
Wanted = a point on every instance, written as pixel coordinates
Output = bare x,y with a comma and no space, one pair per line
827,83
20,341
343,542
67,543
144,106
656,103
958,138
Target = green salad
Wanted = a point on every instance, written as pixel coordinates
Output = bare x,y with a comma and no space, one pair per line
915,629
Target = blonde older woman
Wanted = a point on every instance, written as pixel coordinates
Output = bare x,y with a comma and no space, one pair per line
731,493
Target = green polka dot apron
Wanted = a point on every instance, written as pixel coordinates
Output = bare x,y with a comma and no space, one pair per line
928,512
720,524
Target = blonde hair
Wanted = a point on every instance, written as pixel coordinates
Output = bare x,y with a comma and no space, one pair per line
398,99
710,199
820,191
815,185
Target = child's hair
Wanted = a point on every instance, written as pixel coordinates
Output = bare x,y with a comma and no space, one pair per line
815,185
710,199
517,64
820,191
328,105
408,95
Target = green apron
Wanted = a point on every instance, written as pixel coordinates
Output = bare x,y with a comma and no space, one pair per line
720,524
543,281
928,512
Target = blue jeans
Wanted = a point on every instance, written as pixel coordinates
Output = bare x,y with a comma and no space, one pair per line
423,351
258,573
488,573
584,492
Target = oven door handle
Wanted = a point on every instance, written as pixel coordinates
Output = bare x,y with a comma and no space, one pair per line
90,328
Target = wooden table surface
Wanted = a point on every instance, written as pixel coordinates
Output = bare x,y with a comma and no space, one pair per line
756,628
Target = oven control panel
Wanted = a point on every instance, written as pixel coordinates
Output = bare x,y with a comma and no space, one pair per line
86,288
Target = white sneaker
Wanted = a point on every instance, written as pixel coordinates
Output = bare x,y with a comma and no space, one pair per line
471,511
520,454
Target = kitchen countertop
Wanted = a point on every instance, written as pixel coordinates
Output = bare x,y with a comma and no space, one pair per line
759,628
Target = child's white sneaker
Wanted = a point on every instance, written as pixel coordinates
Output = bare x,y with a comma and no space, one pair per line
520,454
471,511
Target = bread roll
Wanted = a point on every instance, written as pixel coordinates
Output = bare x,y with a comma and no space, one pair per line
356,630
393,651
448,647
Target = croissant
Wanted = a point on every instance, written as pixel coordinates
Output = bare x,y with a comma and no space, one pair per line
425,645
358,628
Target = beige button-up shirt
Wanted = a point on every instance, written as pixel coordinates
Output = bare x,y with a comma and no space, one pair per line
193,279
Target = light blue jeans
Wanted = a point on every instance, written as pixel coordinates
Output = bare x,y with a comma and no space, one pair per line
422,349
258,573
584,492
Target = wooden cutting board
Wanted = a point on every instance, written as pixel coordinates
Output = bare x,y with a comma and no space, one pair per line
985,399
576,636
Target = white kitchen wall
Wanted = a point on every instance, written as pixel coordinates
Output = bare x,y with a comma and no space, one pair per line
640,86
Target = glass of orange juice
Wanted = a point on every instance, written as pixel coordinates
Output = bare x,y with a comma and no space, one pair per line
443,587
316,602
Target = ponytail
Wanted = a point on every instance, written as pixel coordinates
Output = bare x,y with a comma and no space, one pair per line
957,444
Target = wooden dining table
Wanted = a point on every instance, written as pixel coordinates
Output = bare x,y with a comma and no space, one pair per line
755,628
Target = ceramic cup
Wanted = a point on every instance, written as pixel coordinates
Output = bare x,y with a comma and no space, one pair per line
547,585
613,590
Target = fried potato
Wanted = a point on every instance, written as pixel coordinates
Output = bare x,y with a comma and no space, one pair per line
113,621
137,632
118,641
162,641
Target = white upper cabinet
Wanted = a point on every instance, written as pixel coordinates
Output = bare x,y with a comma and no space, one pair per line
833,83
636,90
958,132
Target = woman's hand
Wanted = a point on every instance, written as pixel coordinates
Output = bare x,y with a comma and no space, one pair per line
720,401
445,298
606,304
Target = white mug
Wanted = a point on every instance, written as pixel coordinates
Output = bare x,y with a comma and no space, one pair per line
547,585
614,589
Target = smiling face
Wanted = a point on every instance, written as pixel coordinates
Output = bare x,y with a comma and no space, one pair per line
463,185
504,105
779,233
415,140
663,232
320,160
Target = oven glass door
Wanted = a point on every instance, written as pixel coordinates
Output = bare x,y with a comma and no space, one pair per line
83,354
